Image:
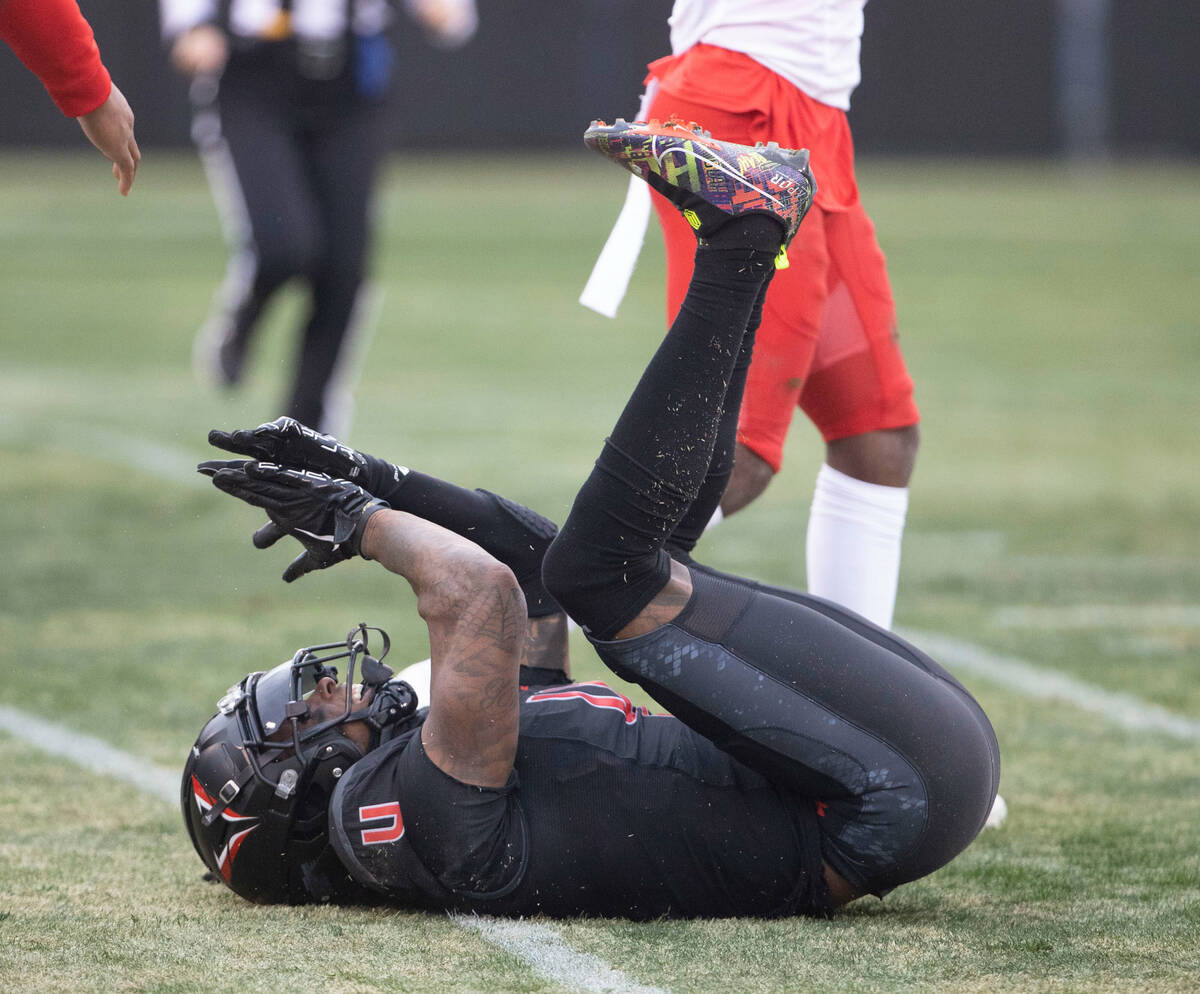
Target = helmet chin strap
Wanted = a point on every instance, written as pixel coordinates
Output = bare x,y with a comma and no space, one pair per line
392,704
225,796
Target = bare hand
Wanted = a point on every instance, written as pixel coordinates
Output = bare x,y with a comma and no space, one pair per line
200,51
450,23
110,128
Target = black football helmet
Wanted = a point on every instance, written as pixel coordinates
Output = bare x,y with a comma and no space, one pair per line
255,799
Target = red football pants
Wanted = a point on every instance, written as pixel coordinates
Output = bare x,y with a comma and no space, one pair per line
828,340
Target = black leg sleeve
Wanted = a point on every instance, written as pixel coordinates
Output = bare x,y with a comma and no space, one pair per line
691,526
609,560
342,154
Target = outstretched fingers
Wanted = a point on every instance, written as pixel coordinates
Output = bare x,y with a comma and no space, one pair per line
306,562
287,442
243,442
237,481
270,441
265,469
210,467
267,535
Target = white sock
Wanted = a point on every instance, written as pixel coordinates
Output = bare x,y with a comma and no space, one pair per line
853,547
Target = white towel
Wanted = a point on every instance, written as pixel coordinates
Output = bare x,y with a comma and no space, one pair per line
610,276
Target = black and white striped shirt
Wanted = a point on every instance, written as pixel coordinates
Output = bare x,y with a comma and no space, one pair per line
315,20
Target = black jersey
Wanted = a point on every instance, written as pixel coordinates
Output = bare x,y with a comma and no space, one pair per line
610,810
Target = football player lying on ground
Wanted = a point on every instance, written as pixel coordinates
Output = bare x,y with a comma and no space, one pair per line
809,757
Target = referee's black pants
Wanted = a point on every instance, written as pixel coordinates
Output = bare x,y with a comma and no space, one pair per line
293,163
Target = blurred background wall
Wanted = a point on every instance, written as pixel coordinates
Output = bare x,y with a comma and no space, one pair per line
1027,77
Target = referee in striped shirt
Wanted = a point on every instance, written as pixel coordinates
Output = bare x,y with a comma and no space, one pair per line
288,99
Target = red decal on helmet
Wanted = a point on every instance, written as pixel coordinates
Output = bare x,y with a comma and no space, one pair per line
204,801
378,812
224,858
202,796
227,855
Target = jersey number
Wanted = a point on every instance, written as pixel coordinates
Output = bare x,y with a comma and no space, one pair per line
390,832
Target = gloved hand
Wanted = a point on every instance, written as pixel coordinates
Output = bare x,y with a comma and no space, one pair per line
286,442
326,515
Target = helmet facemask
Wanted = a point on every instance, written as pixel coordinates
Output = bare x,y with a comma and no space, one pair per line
256,785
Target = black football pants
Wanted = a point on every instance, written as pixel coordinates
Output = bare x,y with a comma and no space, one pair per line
293,165
899,761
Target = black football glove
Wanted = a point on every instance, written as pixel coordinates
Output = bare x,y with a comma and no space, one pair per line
286,442
325,515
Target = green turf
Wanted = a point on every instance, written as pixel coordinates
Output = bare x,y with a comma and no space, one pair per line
1050,321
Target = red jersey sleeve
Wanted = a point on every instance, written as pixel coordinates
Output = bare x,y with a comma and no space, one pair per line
56,44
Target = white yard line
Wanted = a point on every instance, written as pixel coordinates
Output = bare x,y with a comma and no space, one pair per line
538,946
544,951
1040,683
170,463
91,753
1076,617
166,462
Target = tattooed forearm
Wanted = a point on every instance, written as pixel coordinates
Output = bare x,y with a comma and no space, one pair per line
471,732
477,623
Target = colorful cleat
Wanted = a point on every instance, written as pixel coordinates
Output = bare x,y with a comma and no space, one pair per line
697,172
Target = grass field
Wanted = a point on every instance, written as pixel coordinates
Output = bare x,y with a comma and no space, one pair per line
1051,322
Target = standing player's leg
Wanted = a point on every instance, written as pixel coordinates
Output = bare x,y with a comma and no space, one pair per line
255,168
842,365
860,499
860,397
343,154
